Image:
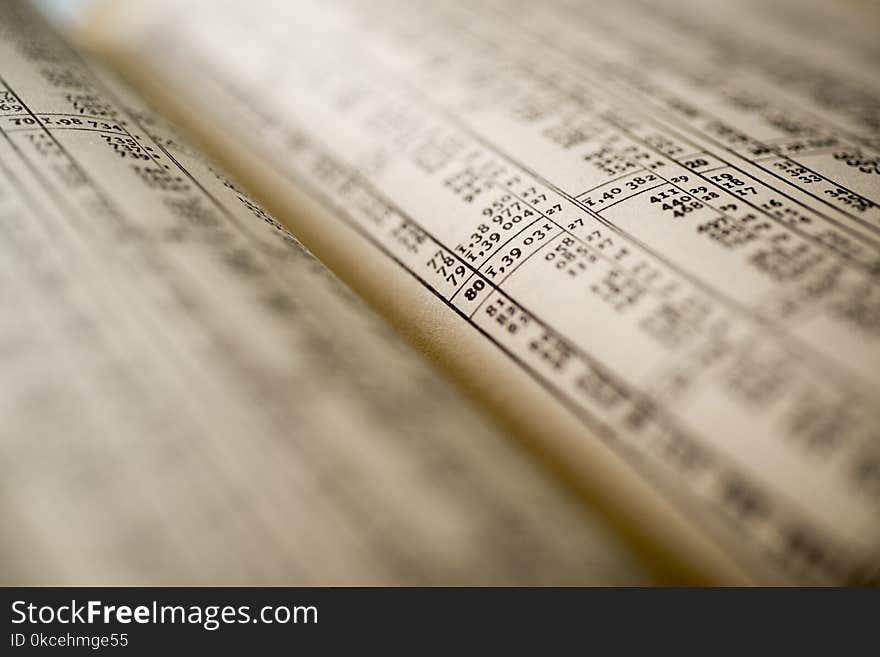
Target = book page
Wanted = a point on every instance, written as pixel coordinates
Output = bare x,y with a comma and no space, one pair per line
188,397
649,232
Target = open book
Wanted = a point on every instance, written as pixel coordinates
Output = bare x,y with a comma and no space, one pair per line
643,236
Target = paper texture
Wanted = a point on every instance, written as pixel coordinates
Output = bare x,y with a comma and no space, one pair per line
188,397
657,222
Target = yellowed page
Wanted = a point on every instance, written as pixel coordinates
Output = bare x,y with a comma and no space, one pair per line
188,396
646,233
